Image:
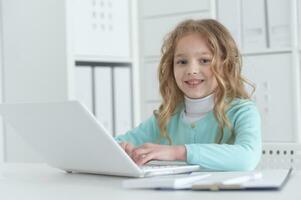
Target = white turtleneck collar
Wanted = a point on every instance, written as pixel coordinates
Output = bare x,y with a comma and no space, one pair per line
196,109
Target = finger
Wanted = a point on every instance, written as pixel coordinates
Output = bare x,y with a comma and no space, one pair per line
122,145
148,145
138,152
145,158
142,150
129,148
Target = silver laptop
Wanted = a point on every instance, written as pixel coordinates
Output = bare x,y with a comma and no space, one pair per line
69,137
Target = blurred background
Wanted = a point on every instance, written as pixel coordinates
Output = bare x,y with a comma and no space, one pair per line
105,53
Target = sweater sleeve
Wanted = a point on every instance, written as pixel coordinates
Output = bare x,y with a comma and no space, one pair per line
147,131
243,154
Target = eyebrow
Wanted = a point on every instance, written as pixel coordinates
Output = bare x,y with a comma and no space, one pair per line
182,54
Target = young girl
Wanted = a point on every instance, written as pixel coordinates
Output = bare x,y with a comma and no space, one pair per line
206,116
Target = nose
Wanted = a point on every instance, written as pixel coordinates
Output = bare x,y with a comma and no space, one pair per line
193,69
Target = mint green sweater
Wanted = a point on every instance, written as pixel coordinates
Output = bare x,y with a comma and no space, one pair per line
243,152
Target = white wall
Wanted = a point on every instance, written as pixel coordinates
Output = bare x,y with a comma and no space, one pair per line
1,80
35,64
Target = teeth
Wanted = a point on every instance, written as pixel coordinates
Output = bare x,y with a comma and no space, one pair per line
194,82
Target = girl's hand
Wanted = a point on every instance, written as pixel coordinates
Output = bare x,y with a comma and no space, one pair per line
149,151
127,147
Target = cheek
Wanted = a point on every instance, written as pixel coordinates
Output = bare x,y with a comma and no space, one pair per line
211,78
208,73
177,75
214,82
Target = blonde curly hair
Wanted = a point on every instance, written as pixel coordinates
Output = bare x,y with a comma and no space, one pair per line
226,66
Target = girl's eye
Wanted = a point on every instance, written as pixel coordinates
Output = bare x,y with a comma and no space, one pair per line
205,61
181,62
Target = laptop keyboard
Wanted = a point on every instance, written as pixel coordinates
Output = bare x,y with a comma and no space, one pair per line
151,167
163,168
160,165
164,165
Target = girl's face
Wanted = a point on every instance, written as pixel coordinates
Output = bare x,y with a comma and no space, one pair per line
192,69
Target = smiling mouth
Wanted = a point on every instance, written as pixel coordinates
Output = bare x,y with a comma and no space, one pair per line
194,82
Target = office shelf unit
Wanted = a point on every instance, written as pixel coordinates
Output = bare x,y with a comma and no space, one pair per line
57,50
102,49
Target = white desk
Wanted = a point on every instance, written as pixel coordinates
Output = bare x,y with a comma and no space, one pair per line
39,181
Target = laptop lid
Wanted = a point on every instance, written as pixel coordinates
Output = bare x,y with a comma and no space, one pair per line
69,137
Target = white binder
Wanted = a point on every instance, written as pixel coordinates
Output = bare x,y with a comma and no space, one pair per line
83,85
254,28
103,97
122,99
279,15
